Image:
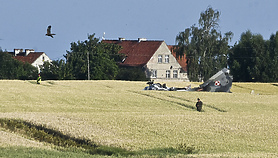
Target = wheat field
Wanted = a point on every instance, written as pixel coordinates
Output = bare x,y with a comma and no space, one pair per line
243,123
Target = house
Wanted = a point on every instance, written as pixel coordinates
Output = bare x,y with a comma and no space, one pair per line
30,56
181,60
152,55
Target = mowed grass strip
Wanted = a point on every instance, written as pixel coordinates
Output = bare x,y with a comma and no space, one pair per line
121,114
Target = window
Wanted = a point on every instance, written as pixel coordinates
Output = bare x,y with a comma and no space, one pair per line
167,73
166,58
154,73
175,73
159,58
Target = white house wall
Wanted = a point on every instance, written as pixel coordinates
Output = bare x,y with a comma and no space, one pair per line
162,67
40,60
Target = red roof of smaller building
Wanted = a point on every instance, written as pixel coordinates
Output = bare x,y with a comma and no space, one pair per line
30,58
137,53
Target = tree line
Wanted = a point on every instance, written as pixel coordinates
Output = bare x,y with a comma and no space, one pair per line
11,68
91,59
207,51
251,59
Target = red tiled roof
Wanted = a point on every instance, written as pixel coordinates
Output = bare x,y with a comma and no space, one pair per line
138,53
30,58
181,60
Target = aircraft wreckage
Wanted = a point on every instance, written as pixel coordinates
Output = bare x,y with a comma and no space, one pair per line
220,82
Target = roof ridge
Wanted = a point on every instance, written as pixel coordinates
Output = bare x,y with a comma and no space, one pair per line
134,40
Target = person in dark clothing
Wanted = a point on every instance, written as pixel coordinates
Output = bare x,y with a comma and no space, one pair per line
199,105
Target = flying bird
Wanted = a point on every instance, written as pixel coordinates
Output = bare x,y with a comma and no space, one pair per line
48,33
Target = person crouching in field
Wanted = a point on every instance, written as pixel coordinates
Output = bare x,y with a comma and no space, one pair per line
199,105
39,79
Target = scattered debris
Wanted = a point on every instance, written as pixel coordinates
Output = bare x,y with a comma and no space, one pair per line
220,82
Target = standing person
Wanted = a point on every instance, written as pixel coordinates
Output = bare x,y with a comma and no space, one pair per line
199,105
39,79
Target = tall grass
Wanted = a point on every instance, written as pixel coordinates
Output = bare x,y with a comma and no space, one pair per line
121,114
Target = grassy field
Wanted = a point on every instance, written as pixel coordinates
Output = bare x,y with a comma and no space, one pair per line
120,114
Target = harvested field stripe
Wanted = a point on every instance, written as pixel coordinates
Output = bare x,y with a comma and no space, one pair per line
216,108
210,106
241,87
31,81
45,83
184,105
171,96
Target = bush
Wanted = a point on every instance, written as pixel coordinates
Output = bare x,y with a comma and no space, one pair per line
186,148
131,74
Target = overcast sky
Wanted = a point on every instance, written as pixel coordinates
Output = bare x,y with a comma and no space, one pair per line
24,22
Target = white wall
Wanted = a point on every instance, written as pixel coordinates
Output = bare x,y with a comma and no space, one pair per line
162,67
41,59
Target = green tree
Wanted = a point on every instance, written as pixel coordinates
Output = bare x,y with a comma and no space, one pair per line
205,47
11,68
102,59
249,59
273,58
56,70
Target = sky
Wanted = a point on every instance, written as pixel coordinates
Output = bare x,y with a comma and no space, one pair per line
24,22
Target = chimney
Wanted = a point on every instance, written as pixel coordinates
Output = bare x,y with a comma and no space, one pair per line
142,39
27,51
121,39
17,51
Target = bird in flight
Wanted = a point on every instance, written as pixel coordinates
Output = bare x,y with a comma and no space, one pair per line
48,33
